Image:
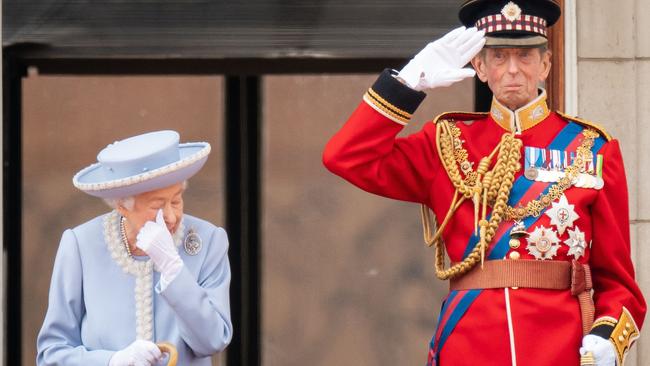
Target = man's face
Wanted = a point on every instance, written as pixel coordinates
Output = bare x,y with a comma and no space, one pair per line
513,73
146,206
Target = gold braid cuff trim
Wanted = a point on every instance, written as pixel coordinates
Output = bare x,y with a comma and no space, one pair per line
386,108
623,336
604,321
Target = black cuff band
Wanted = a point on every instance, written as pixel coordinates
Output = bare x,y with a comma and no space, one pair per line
395,94
602,330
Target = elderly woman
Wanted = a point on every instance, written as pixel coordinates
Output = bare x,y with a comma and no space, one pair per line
144,272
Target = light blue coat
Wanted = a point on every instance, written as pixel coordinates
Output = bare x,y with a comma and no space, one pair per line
91,312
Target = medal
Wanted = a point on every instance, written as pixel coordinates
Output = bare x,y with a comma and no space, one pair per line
531,173
576,243
192,243
543,243
562,214
600,183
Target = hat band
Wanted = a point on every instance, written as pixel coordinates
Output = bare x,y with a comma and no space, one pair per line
524,23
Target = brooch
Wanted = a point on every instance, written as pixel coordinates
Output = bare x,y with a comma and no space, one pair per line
192,243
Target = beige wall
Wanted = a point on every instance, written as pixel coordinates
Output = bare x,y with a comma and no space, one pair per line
614,90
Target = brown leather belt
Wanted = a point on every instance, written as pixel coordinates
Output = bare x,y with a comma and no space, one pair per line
552,275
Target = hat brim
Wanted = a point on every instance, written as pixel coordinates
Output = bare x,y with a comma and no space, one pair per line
193,156
521,42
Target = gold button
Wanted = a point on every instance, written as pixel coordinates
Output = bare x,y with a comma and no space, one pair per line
514,243
621,338
514,255
628,325
625,333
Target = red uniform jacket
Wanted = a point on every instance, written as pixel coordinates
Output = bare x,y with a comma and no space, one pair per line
500,326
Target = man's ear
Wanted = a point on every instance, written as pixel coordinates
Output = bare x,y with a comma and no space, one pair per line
478,63
546,65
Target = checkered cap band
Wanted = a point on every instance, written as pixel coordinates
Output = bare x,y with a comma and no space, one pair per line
499,23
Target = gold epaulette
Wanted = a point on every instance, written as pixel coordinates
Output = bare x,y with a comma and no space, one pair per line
459,116
586,123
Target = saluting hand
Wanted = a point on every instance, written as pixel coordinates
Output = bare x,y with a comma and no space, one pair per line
442,62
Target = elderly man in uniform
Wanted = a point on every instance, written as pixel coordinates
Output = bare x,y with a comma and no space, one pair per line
531,205
120,282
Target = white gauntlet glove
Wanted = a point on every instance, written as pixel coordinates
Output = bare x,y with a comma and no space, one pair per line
602,349
138,353
441,62
157,242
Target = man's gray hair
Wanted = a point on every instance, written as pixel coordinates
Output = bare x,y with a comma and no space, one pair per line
128,202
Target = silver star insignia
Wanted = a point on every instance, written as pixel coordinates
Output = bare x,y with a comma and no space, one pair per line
576,243
543,243
562,214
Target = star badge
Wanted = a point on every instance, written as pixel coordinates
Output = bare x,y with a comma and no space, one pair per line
576,243
562,214
543,243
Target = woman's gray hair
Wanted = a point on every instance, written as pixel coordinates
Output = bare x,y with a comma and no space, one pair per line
128,202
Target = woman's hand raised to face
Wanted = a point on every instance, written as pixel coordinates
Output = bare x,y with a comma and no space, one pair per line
156,240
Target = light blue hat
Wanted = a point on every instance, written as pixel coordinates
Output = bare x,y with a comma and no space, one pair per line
140,164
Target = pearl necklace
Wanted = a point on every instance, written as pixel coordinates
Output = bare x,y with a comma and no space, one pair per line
125,240
115,238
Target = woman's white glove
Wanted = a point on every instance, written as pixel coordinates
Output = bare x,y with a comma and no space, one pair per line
441,62
158,243
602,349
138,353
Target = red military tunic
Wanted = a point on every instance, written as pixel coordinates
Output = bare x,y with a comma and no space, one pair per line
499,326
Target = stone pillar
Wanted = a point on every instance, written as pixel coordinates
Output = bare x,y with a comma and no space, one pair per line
613,90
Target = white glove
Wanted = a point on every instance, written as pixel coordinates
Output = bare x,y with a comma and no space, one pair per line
441,62
602,349
138,353
157,242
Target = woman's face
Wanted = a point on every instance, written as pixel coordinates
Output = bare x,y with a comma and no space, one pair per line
147,204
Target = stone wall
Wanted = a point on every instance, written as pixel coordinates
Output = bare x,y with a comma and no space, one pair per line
614,90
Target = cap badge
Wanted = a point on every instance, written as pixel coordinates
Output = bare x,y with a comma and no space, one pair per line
511,11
